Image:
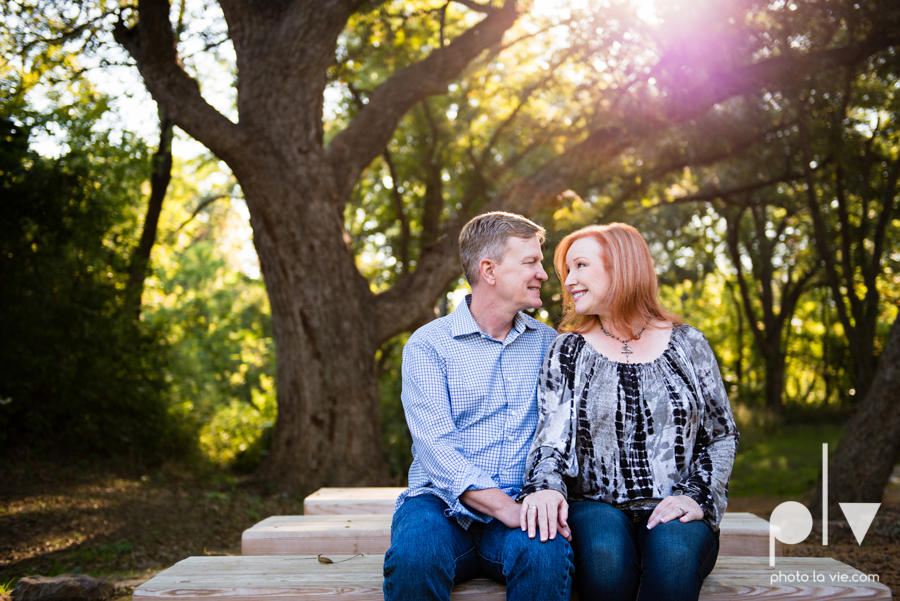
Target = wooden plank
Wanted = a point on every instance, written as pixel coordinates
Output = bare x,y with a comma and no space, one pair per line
300,578
742,534
745,535
307,534
353,501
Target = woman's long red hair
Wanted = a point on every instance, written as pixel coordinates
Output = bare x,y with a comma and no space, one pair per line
632,300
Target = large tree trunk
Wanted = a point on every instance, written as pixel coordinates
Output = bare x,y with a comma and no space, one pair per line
862,463
326,333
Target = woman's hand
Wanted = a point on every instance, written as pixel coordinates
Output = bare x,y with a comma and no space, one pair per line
682,508
548,511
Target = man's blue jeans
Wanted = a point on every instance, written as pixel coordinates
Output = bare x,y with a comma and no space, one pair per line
430,553
618,559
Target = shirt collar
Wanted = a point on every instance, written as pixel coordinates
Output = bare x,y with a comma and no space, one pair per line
463,324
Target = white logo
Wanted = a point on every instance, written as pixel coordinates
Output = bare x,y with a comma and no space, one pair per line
791,522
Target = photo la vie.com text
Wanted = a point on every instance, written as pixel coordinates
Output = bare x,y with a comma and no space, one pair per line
791,523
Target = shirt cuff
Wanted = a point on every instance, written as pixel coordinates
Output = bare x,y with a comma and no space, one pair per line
543,476
470,479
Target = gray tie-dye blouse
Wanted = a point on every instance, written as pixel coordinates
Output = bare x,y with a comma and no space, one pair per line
631,434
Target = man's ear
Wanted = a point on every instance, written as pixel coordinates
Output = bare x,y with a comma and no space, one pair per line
486,272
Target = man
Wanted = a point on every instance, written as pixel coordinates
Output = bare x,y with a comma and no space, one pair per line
469,393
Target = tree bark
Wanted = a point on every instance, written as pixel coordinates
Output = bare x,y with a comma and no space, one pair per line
775,368
328,431
861,466
160,177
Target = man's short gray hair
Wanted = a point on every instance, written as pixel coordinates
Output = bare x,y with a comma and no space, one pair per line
486,237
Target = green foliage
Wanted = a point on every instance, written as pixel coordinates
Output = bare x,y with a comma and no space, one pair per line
782,463
78,375
221,371
396,439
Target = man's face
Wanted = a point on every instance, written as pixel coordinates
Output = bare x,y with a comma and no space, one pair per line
519,274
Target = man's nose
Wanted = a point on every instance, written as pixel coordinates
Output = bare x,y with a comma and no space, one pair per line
541,274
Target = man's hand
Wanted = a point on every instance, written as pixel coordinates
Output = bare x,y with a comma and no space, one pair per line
548,511
681,508
493,502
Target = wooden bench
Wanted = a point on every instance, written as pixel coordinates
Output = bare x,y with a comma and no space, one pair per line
299,578
352,501
742,534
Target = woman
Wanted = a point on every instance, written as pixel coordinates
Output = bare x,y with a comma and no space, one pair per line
635,429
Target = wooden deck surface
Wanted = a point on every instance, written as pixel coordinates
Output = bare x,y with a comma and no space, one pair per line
741,534
300,578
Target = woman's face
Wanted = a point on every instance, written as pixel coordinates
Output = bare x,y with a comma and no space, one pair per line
588,280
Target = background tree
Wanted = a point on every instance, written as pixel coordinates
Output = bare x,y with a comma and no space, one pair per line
777,291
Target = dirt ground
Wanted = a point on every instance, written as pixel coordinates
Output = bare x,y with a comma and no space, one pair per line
127,528
123,529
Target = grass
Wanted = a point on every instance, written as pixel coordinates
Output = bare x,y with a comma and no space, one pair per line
6,587
784,462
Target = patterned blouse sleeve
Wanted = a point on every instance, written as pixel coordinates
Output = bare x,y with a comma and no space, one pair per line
715,446
552,456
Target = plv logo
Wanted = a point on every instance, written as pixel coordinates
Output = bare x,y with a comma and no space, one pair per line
791,522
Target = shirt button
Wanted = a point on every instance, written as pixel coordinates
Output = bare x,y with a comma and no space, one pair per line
510,437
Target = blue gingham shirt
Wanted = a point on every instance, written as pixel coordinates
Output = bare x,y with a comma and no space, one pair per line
471,406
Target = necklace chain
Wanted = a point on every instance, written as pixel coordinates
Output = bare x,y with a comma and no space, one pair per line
626,350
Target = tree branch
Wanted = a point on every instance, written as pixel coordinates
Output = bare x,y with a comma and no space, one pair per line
160,177
152,45
723,194
732,236
476,6
356,147
821,238
397,199
205,202
433,200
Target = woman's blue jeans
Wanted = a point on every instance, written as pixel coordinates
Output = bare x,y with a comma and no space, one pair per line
618,559
430,553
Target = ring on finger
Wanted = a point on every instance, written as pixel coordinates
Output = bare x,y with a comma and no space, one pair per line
683,510
532,507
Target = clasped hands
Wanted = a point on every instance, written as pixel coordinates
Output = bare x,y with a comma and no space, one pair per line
547,512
